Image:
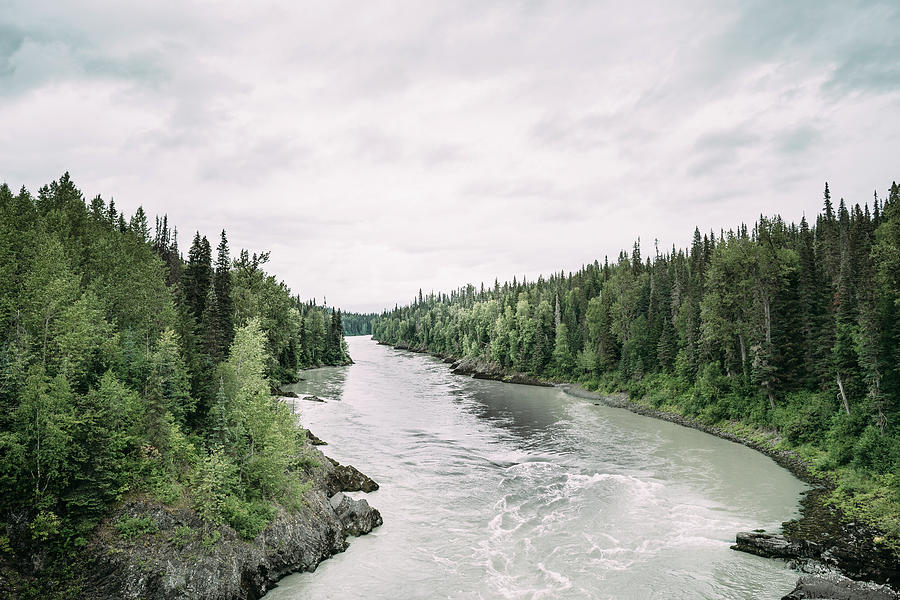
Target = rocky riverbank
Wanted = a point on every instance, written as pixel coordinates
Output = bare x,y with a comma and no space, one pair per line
840,558
177,555
837,556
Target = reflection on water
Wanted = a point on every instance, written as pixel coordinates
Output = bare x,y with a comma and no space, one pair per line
490,490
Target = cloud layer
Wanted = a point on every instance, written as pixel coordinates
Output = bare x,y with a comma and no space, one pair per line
377,148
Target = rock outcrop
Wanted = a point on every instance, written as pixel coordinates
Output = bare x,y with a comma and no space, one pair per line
827,544
773,545
314,439
347,478
836,587
356,516
181,556
485,369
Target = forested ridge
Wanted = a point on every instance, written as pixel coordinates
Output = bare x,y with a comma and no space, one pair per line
789,331
126,368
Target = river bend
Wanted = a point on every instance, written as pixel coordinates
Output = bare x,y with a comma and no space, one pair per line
493,490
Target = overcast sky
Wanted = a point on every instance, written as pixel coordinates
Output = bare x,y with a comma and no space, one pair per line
379,147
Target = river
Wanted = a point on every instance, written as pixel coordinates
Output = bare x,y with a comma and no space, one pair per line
493,490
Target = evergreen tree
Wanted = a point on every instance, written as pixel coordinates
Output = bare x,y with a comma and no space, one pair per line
224,305
197,277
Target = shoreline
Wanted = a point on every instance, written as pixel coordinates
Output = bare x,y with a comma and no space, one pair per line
186,557
832,554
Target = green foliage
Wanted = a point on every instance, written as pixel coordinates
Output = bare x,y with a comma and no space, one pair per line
875,453
5,548
130,528
357,323
586,361
247,518
804,416
43,425
777,327
45,526
182,536
112,351
563,362
214,480
210,540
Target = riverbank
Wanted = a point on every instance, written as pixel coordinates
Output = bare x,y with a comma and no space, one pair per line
820,541
148,550
477,368
826,542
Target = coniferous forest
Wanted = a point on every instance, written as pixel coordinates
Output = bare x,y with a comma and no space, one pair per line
358,323
128,368
789,332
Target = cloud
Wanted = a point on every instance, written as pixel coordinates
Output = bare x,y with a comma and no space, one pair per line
11,41
799,140
381,147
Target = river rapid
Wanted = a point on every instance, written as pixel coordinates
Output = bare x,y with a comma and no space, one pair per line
494,490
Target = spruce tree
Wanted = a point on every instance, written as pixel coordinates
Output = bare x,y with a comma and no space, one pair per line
197,276
224,304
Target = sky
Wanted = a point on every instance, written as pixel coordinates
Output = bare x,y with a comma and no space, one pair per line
376,148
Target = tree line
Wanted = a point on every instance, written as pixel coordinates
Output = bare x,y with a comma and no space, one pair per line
784,326
358,323
127,367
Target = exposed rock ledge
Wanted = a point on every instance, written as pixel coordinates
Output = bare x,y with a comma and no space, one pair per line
478,368
849,551
483,369
186,558
832,586
347,478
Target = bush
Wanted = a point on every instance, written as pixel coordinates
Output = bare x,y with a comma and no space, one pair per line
45,525
874,452
803,416
842,436
182,536
210,540
214,480
248,519
132,527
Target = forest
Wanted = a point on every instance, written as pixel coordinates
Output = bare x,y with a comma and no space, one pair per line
126,368
781,330
358,323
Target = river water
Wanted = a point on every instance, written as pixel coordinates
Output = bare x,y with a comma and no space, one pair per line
493,490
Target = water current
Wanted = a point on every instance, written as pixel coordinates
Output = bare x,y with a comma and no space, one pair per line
494,490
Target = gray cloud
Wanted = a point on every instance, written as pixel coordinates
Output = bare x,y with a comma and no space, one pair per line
799,140
871,67
377,148
11,41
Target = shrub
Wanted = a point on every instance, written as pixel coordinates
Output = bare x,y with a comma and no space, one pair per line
248,519
45,525
210,540
182,536
803,416
842,436
214,479
873,451
133,527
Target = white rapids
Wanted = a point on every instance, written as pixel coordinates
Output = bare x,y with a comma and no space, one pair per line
492,490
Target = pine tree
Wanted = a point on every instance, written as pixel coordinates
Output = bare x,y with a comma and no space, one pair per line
224,310
138,225
197,277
